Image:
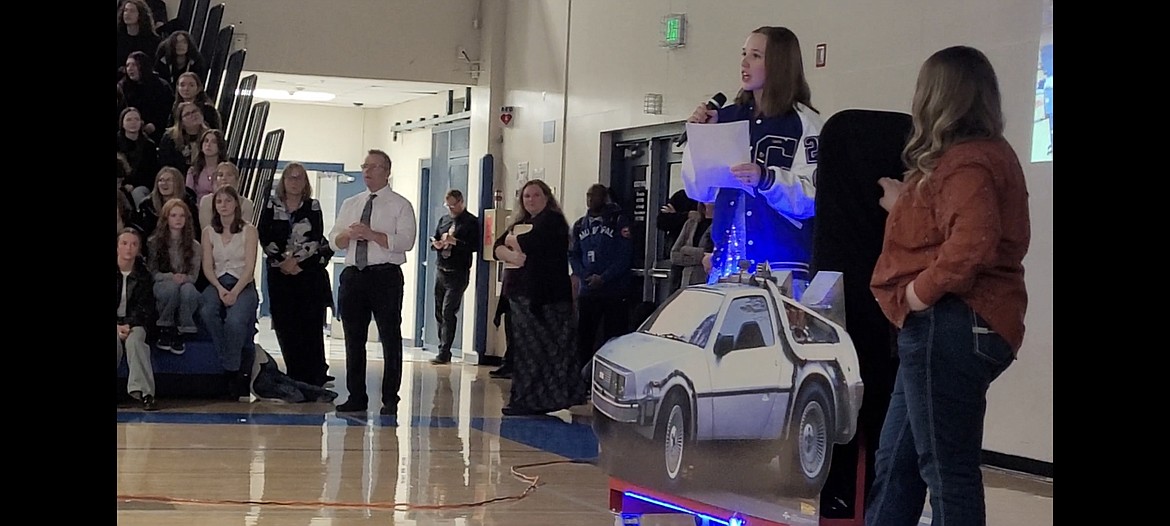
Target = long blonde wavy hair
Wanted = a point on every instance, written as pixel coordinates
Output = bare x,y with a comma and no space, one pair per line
956,100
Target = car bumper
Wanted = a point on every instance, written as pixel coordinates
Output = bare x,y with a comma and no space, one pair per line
637,412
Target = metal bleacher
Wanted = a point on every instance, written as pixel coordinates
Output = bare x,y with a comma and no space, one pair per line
253,151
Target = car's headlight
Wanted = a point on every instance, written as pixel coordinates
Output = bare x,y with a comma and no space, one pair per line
619,384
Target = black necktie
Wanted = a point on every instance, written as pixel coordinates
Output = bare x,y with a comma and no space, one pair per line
363,246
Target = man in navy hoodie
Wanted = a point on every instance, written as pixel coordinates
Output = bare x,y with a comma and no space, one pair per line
599,253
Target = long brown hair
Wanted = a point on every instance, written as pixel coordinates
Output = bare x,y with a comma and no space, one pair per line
956,100
201,96
784,83
200,161
145,18
160,240
523,216
237,222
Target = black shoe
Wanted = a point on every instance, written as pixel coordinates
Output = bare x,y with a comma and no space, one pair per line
177,346
441,360
387,410
242,387
501,373
509,410
352,406
165,341
148,403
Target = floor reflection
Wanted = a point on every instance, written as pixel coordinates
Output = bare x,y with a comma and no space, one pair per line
264,463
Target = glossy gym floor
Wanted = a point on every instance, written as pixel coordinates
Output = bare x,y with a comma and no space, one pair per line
448,458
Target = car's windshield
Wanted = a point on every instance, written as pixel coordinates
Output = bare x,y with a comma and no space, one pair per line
689,317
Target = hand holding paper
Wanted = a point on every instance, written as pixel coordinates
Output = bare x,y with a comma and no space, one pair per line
712,150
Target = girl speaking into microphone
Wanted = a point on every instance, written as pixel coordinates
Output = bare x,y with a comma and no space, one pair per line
773,222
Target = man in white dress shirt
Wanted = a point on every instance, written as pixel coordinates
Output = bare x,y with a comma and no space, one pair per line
376,228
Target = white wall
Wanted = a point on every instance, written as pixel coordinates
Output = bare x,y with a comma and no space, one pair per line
377,39
319,134
874,51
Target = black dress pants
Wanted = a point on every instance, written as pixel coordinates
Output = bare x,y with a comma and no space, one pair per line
375,291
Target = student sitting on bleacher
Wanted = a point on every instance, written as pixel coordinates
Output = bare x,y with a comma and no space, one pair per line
135,30
188,88
149,93
228,307
177,55
212,151
168,184
179,143
226,174
175,260
135,312
141,153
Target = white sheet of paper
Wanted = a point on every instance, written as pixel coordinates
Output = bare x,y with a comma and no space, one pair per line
711,151
519,230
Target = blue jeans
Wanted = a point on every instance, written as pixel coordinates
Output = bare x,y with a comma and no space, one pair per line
174,300
230,327
933,433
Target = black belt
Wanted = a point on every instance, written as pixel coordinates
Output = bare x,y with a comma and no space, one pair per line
449,270
379,266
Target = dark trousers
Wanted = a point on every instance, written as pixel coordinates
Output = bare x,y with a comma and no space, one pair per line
375,291
609,313
298,304
449,288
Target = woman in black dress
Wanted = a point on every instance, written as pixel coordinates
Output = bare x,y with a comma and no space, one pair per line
292,234
545,375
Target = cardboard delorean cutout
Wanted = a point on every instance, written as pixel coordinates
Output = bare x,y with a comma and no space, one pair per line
737,362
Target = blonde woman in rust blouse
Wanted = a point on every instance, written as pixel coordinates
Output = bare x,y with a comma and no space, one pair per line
951,277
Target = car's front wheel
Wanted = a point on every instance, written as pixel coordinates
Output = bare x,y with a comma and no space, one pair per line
808,448
673,435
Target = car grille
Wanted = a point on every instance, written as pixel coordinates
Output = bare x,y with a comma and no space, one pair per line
605,379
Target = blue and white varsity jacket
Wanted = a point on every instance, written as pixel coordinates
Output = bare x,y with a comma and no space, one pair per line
774,225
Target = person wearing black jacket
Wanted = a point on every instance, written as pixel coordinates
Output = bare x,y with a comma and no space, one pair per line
141,153
535,249
135,31
136,312
292,233
456,240
181,141
149,93
178,54
600,254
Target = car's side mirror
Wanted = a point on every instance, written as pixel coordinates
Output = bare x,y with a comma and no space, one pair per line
724,343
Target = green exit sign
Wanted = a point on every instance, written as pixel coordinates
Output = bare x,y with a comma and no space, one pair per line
674,30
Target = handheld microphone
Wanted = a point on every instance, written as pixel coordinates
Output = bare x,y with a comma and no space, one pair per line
717,101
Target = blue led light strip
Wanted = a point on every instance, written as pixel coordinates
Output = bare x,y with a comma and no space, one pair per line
676,507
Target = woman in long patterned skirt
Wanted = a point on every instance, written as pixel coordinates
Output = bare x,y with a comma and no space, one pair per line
535,248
